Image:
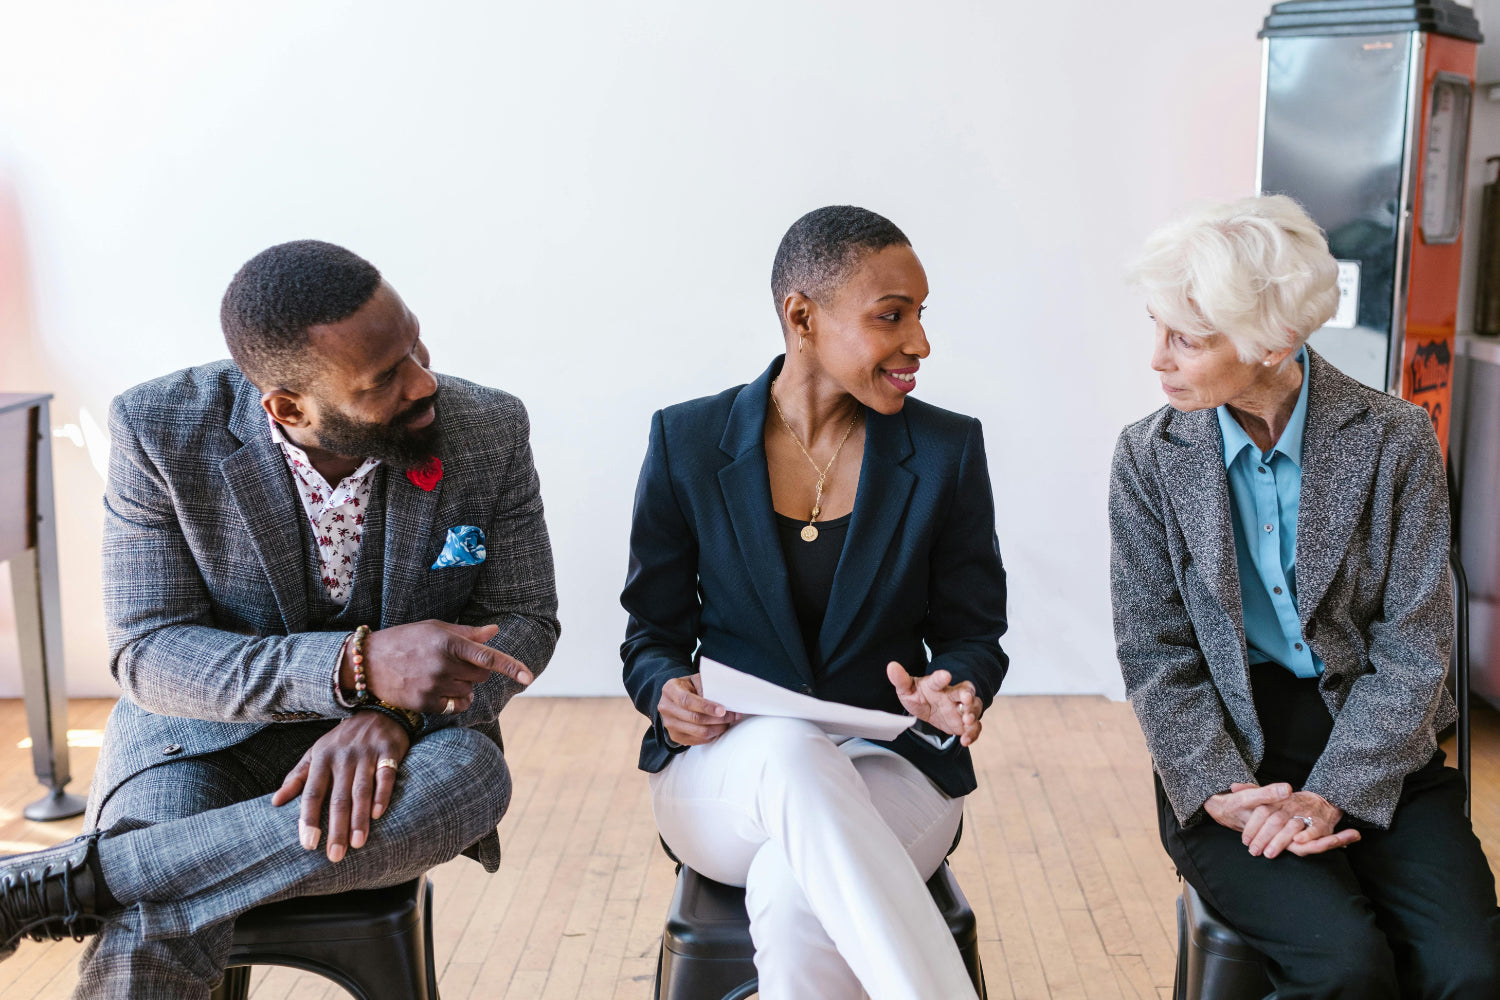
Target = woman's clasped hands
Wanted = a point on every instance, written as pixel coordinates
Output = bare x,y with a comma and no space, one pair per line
1273,818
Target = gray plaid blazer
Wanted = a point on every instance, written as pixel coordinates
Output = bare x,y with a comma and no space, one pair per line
204,579
1373,596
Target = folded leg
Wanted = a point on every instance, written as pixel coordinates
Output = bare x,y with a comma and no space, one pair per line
190,873
784,783
117,962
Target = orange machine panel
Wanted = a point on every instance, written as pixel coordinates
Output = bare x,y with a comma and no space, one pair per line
1432,284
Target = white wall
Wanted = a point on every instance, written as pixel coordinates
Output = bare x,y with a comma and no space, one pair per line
581,202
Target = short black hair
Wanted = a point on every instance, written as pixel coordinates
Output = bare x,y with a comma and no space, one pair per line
822,249
278,294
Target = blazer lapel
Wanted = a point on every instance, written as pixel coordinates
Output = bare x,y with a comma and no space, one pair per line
1197,486
747,497
261,486
410,512
1336,474
879,502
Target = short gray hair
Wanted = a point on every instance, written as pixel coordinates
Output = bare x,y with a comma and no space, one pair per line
1257,271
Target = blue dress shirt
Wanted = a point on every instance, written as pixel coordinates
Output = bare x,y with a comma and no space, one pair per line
1265,492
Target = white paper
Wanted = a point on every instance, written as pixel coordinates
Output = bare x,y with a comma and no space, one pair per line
740,692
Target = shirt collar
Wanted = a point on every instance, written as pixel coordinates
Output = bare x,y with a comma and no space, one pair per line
1290,442
292,452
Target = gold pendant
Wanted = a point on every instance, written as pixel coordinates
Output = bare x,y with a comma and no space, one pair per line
809,534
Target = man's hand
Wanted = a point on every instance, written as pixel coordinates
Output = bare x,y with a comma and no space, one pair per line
937,701
343,769
687,717
1284,826
422,665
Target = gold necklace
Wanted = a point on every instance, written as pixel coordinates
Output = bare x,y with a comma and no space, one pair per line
810,532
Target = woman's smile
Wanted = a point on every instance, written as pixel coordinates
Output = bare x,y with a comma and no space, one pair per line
904,379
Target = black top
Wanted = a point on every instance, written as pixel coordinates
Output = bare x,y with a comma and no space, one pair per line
809,570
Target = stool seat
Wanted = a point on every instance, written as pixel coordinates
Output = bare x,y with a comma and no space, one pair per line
708,920
707,954
375,943
1213,961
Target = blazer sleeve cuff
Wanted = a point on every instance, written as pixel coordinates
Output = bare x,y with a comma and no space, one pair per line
1188,791
660,730
1368,806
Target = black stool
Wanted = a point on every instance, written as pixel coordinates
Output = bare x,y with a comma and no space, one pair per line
706,952
1213,961
375,943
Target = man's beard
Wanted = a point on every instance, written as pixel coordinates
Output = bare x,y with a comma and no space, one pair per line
392,443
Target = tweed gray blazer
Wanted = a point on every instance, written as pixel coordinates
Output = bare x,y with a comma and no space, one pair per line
1373,596
204,587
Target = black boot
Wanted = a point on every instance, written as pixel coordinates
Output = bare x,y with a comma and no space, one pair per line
50,895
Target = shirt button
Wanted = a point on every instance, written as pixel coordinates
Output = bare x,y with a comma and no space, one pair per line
1275,590
1261,469
1270,527
1297,647
170,749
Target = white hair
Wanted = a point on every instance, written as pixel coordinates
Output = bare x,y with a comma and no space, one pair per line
1257,271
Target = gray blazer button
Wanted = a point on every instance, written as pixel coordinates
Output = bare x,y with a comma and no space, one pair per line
170,749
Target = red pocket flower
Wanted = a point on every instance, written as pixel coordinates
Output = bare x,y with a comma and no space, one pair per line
428,476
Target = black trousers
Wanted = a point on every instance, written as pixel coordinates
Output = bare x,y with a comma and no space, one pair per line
1407,912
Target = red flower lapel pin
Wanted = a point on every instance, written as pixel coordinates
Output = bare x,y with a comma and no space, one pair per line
427,476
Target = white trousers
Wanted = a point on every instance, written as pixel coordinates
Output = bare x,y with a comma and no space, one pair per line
833,843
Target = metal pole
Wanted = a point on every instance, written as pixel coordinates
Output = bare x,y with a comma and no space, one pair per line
1461,669
34,583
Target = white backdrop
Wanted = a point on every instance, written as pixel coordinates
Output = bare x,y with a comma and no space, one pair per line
581,203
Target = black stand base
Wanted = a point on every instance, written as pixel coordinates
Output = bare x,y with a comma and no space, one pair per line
57,805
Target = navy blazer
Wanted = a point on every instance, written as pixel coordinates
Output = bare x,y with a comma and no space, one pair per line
920,566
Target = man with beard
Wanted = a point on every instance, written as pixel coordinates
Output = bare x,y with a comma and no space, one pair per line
325,572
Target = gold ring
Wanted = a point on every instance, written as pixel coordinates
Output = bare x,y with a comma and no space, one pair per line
448,708
389,762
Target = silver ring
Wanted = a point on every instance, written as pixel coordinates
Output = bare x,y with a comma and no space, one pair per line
389,762
1306,820
448,708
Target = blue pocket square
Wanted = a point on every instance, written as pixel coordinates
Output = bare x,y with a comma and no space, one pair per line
464,547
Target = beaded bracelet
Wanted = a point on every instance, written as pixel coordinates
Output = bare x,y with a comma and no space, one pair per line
357,658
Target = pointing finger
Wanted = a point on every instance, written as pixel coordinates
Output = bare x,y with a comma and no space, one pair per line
493,660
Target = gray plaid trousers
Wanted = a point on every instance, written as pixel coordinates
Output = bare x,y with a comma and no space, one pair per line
191,844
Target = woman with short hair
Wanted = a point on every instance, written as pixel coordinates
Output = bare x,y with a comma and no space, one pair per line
821,529
1283,616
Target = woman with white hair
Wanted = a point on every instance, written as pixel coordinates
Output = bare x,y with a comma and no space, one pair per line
1283,618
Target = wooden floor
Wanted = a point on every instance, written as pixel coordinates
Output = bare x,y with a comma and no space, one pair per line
1060,859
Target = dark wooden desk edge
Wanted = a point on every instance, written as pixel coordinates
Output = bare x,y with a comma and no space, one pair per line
21,400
